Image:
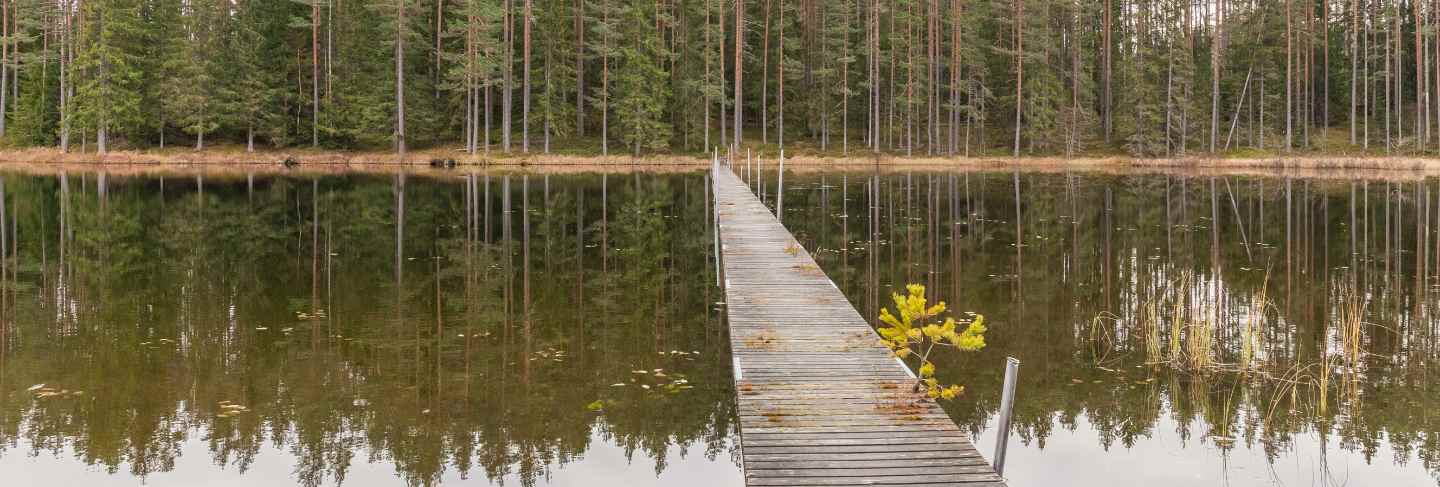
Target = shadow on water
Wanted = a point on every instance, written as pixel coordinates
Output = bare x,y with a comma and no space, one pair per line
364,329
1174,330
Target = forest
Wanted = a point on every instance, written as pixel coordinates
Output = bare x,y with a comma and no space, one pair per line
905,77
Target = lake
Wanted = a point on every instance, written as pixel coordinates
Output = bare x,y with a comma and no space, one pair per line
1303,312
363,329
533,329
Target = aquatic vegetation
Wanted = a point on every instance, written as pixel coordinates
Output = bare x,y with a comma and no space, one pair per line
1250,328
917,331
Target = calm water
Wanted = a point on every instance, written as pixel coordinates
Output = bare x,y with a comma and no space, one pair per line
429,329
364,330
1079,275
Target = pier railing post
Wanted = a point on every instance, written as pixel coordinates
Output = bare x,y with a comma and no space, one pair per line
780,189
1007,401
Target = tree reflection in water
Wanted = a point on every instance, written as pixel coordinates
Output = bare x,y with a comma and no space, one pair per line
1096,404
440,327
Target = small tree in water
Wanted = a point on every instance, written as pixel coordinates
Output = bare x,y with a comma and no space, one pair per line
917,331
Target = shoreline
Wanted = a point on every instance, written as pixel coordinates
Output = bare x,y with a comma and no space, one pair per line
225,160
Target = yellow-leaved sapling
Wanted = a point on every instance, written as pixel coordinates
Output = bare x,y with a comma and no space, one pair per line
918,330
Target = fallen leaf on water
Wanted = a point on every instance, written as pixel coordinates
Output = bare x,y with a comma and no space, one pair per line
618,384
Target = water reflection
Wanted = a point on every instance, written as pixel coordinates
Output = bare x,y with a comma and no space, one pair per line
1189,330
363,330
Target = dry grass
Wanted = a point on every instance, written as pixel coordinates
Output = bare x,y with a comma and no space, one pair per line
236,158
1254,320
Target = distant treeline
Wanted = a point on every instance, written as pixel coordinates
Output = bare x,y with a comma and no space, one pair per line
915,77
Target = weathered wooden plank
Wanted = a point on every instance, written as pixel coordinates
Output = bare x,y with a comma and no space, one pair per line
821,402
948,455
908,480
755,465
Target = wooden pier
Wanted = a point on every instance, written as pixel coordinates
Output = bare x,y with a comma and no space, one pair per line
821,402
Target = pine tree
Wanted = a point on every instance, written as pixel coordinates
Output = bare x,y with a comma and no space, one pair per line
107,73
640,102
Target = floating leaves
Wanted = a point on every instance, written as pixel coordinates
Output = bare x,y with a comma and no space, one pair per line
229,409
318,314
550,354
42,391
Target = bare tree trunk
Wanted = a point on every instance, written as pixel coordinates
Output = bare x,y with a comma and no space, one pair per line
4,63
707,75
315,71
1108,53
580,68
1019,69
780,73
955,32
605,84
739,69
507,35
525,97
64,81
400,78
1421,121
1216,48
1289,81
1075,82
724,107
765,78
1354,62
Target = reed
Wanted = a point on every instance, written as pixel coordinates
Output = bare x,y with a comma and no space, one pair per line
1254,320
1200,334
1150,321
1178,315
1351,322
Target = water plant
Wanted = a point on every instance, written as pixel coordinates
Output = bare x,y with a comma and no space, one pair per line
918,330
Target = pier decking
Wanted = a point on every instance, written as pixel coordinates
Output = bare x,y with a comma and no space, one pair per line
821,402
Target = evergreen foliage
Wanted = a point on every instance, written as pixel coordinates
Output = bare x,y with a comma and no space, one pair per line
921,77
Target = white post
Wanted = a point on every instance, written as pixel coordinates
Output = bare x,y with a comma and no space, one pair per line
780,189
1007,401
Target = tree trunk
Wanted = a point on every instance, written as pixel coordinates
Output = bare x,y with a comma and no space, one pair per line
4,61
507,36
1289,81
315,72
780,73
1108,54
579,68
400,78
1019,70
1217,40
739,69
525,97
1354,62
765,78
604,84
